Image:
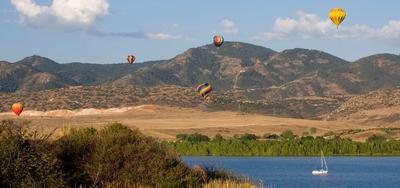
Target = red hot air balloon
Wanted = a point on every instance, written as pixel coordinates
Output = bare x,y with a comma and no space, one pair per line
17,108
218,40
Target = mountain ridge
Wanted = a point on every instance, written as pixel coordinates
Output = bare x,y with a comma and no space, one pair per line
257,71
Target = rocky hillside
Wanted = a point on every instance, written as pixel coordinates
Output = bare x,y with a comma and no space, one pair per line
381,104
101,97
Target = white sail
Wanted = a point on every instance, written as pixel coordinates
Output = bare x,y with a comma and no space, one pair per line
324,167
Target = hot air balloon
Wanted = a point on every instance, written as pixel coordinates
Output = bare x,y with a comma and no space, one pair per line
337,15
218,40
204,89
131,59
17,108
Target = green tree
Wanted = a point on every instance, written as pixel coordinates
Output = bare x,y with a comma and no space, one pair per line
218,138
182,136
196,137
288,134
376,138
313,130
272,136
248,137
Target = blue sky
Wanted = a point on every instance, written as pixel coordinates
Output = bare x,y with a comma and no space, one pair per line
105,31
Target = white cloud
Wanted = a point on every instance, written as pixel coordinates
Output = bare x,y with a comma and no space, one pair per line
69,14
307,25
229,26
72,15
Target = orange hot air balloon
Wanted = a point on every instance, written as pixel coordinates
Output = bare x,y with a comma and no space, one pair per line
131,59
17,108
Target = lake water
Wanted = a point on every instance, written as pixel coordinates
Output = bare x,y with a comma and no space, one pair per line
277,172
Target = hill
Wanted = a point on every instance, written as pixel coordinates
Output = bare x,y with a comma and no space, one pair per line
101,97
380,106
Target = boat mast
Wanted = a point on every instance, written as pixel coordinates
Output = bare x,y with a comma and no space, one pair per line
322,162
326,165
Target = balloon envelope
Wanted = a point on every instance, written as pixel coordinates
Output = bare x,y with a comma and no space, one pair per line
218,40
131,59
337,15
17,108
204,89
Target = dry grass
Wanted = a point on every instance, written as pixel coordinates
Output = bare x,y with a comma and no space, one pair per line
165,122
228,184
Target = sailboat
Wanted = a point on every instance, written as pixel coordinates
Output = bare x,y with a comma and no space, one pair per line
324,167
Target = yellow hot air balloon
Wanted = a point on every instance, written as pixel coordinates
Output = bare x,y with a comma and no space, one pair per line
337,15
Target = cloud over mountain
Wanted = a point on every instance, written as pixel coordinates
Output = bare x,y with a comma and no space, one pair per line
67,14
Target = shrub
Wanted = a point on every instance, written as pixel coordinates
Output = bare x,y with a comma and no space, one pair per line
248,137
288,134
376,138
26,159
272,136
196,137
313,130
114,156
181,136
218,138
117,155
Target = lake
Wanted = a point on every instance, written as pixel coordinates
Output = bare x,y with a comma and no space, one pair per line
277,172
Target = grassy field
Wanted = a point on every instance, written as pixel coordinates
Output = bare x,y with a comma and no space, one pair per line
166,122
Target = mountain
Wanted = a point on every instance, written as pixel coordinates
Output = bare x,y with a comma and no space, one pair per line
246,70
362,76
221,66
20,77
82,73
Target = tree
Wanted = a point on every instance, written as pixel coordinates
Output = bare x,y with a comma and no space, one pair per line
248,137
218,138
182,136
196,137
272,136
288,134
376,138
313,130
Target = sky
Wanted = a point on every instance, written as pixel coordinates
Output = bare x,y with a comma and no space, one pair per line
106,31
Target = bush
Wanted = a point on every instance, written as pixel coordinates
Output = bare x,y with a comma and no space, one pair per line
114,156
288,134
181,136
196,137
218,138
313,130
271,136
117,155
26,159
248,137
376,138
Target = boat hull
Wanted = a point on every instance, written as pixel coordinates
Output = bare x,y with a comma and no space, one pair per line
320,172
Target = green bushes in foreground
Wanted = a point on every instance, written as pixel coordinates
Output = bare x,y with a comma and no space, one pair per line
287,145
114,156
